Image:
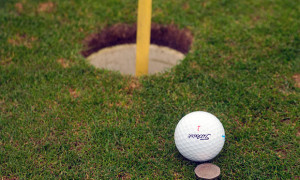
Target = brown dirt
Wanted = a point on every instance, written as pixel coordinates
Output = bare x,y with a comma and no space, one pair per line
296,78
46,7
132,85
5,61
186,6
19,7
124,175
22,39
74,93
281,153
9,178
163,35
63,62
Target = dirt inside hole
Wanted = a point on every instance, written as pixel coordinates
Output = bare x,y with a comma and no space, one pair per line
114,47
162,35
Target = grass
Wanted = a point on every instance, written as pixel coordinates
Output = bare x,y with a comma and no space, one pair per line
62,118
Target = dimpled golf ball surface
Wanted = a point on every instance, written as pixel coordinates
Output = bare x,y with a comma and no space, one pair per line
199,136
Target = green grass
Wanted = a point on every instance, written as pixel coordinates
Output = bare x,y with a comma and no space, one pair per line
65,119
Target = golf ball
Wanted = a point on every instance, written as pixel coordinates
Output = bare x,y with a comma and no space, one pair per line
199,136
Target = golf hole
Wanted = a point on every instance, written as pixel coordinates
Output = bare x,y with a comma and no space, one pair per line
114,48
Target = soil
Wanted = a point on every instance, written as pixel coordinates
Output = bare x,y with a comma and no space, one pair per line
162,35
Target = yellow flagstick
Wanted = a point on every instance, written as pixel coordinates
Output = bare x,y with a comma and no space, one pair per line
143,37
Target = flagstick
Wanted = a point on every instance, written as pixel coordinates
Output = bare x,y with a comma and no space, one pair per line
143,37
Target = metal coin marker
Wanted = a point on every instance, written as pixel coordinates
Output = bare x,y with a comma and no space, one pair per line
207,171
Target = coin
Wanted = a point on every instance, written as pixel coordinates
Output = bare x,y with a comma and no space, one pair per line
207,171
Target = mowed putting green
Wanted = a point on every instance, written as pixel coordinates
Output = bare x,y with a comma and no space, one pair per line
62,118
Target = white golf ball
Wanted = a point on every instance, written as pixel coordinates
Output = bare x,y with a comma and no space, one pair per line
199,136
